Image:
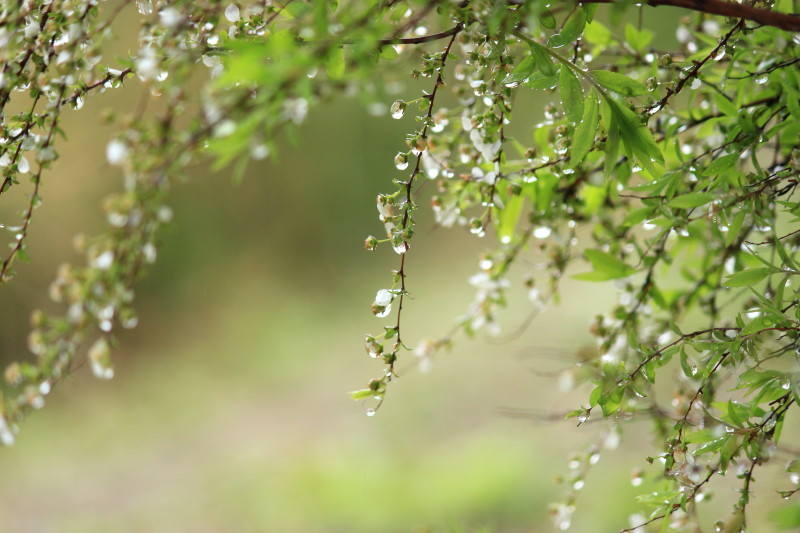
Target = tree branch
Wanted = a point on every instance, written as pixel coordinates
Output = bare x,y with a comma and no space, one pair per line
424,39
784,21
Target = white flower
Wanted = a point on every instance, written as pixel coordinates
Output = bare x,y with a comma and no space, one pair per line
116,152
104,260
384,208
232,13
147,64
296,109
170,17
384,297
32,29
6,436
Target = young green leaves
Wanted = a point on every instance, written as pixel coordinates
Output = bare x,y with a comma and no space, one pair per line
539,59
637,140
586,130
606,266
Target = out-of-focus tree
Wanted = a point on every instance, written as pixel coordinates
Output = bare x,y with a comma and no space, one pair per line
669,166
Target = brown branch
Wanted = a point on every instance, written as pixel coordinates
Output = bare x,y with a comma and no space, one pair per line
424,39
767,17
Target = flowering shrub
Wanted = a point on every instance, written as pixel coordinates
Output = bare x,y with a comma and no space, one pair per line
666,165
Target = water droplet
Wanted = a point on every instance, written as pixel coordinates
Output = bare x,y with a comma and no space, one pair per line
401,161
79,102
381,311
696,83
370,412
145,7
398,109
542,232
476,227
401,247
761,80
23,166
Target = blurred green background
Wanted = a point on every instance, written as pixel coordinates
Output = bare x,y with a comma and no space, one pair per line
230,407
230,410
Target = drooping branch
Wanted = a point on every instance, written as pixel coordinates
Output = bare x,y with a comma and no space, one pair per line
767,17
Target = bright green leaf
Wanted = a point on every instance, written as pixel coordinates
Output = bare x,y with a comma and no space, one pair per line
586,130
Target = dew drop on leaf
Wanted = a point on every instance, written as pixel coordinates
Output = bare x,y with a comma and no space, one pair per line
398,109
401,161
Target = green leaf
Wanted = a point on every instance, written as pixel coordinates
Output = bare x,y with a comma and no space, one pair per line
787,517
593,198
361,394
611,402
508,216
721,164
635,134
589,11
637,216
612,147
543,59
748,277
693,199
606,266
571,95
586,130
596,33
638,39
547,19
619,83
537,80
522,71
735,227
595,395
336,63
792,99
725,106
572,29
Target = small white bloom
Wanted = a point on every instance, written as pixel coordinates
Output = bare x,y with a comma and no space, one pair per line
147,64
296,109
116,152
384,297
232,13
6,436
32,29
170,17
104,260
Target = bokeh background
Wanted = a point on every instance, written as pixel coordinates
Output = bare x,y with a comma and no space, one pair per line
230,410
